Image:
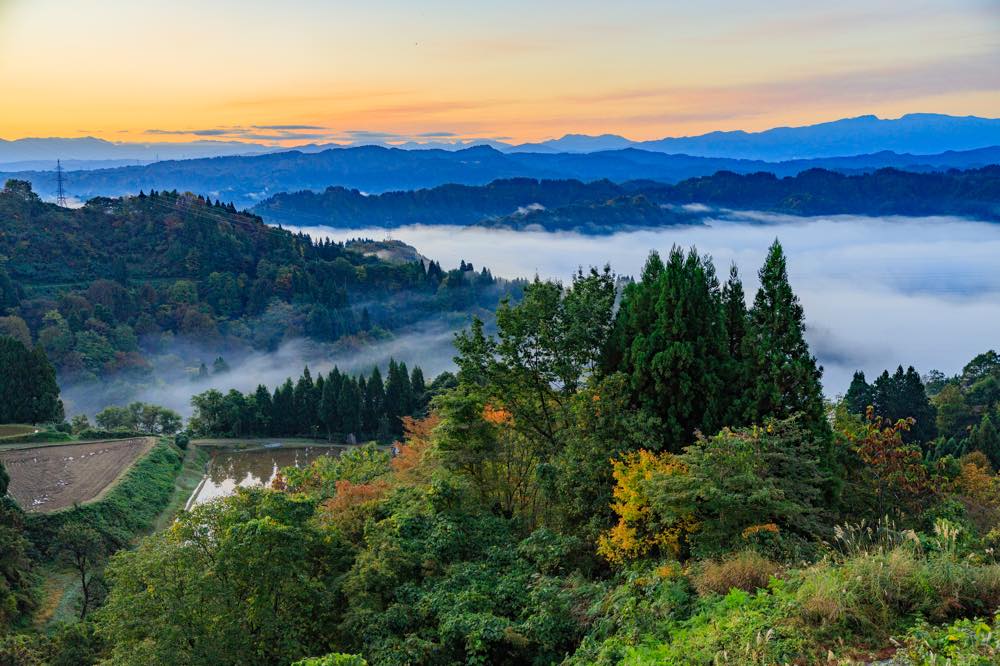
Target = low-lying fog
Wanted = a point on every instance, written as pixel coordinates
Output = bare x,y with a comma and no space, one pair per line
878,292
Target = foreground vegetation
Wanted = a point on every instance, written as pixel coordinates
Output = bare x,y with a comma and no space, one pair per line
658,482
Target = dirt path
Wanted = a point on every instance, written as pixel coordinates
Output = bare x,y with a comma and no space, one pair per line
47,478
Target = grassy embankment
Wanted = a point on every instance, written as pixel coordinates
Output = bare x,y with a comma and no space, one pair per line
142,499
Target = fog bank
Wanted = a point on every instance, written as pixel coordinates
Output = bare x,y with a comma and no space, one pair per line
877,291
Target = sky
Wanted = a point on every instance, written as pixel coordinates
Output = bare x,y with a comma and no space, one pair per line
300,71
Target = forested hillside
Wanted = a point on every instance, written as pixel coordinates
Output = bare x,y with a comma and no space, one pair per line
247,180
973,193
660,482
603,206
107,288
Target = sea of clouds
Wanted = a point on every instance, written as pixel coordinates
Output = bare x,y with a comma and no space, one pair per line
877,291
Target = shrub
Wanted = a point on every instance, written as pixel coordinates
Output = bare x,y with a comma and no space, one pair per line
875,594
335,659
40,436
745,570
965,642
739,628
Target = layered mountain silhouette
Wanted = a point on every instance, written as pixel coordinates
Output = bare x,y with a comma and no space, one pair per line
917,133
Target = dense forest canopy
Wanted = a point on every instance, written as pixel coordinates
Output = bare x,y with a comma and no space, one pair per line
350,408
249,179
603,207
108,289
645,480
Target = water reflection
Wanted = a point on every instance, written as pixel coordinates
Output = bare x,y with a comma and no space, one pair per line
230,469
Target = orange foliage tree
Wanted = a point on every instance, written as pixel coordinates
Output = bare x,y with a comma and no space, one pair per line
894,470
413,463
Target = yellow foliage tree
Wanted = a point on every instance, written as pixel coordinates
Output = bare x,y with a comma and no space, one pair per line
638,533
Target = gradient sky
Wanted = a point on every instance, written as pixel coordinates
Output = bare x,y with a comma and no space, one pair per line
305,70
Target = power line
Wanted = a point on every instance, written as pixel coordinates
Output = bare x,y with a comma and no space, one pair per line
61,194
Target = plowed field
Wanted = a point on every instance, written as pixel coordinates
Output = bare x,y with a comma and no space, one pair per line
47,478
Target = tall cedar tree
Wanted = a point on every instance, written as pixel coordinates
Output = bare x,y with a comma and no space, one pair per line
28,389
784,377
901,395
734,308
670,340
859,394
985,438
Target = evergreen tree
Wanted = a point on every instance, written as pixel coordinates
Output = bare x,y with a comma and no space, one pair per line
670,340
28,389
398,395
349,407
306,408
406,390
901,395
784,377
859,394
985,438
264,408
419,388
283,420
328,414
219,366
374,407
735,315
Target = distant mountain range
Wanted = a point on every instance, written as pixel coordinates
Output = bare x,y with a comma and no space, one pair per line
247,180
604,207
917,133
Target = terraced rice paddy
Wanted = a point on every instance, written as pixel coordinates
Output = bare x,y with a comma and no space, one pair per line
48,478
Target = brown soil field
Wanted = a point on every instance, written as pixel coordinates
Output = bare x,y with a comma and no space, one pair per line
47,478
13,430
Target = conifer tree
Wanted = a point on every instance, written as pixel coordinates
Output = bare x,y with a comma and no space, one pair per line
734,308
349,406
901,395
28,389
374,402
263,410
985,438
328,403
670,341
859,394
419,388
305,408
784,377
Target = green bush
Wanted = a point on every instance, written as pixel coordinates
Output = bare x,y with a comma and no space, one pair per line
94,433
966,642
40,436
739,628
335,659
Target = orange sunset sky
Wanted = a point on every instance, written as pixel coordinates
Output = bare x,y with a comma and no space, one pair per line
307,71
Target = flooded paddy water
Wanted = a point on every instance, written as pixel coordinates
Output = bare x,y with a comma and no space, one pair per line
230,468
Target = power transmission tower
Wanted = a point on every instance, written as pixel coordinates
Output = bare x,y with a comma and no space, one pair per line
60,193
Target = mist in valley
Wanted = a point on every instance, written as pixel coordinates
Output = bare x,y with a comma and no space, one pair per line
174,378
877,291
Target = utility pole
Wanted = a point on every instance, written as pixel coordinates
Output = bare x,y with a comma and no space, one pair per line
60,193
